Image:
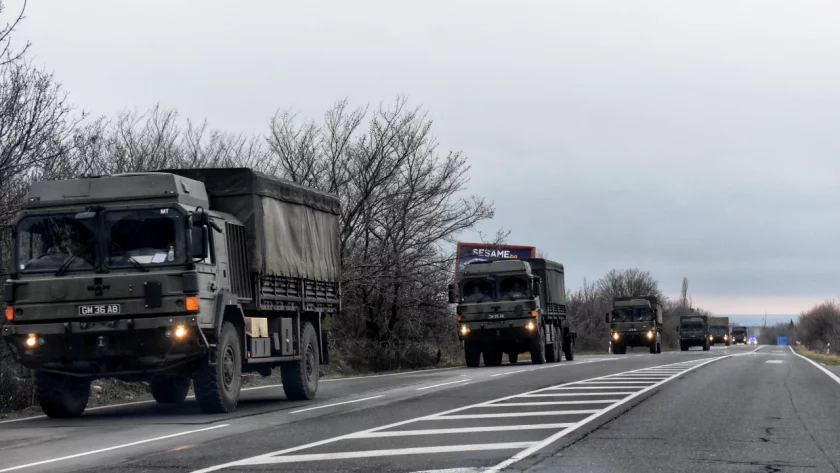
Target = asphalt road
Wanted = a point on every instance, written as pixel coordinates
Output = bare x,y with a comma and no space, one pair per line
730,409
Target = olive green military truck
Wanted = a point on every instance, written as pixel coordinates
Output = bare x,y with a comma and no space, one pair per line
739,335
171,277
694,331
635,321
719,330
513,307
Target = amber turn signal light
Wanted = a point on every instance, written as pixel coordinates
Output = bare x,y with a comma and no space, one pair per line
191,303
10,313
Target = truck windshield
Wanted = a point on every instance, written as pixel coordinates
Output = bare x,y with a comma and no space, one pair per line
47,242
735,331
626,314
146,236
719,328
477,290
691,327
513,288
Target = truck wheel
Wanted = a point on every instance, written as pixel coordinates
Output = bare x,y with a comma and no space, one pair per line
653,348
706,346
728,343
683,347
537,349
300,378
568,348
513,357
472,354
217,387
61,396
170,389
493,357
658,347
619,349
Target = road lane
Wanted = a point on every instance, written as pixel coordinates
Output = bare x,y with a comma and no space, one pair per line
768,411
40,439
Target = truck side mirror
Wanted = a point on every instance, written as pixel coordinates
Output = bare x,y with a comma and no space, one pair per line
678,328
452,298
536,288
199,242
607,318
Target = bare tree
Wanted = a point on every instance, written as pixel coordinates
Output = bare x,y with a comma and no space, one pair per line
629,282
8,53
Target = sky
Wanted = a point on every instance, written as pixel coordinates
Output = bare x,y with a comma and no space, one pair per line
688,139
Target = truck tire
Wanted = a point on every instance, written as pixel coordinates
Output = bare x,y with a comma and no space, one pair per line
619,349
61,396
538,349
300,378
728,343
493,357
513,357
706,346
658,347
217,387
553,352
568,348
683,346
653,348
169,389
472,354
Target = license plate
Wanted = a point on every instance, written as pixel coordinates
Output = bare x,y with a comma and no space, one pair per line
101,309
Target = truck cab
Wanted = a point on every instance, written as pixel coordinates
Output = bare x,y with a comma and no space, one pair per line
694,331
739,335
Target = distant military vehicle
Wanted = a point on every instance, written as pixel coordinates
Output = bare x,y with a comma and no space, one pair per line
169,277
512,306
694,331
719,330
635,321
739,335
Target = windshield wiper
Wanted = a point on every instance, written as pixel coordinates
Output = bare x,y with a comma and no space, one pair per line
131,259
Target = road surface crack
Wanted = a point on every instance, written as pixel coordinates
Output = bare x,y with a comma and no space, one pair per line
805,426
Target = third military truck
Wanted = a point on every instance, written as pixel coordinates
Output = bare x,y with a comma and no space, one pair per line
171,277
739,335
694,330
635,321
719,330
512,306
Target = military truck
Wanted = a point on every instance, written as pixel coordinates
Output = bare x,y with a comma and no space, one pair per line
694,331
635,321
512,306
719,330
171,277
739,335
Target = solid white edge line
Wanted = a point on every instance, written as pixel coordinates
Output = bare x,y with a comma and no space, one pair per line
389,426
531,450
553,403
391,452
336,404
460,430
116,447
824,370
517,414
621,393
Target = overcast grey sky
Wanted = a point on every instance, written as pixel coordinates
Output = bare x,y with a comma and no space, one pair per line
692,139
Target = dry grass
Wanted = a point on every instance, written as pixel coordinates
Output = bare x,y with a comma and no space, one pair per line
833,360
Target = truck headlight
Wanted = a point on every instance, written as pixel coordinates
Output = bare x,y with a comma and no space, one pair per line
31,341
615,336
530,326
650,335
464,330
711,337
725,338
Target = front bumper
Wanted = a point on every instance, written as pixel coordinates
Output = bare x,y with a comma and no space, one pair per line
503,330
117,347
632,339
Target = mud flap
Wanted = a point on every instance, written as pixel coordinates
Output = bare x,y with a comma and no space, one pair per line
325,347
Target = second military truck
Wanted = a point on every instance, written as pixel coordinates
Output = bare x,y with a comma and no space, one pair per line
635,321
512,306
172,277
694,331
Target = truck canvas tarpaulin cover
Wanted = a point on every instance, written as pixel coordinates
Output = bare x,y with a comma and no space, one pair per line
292,230
553,281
